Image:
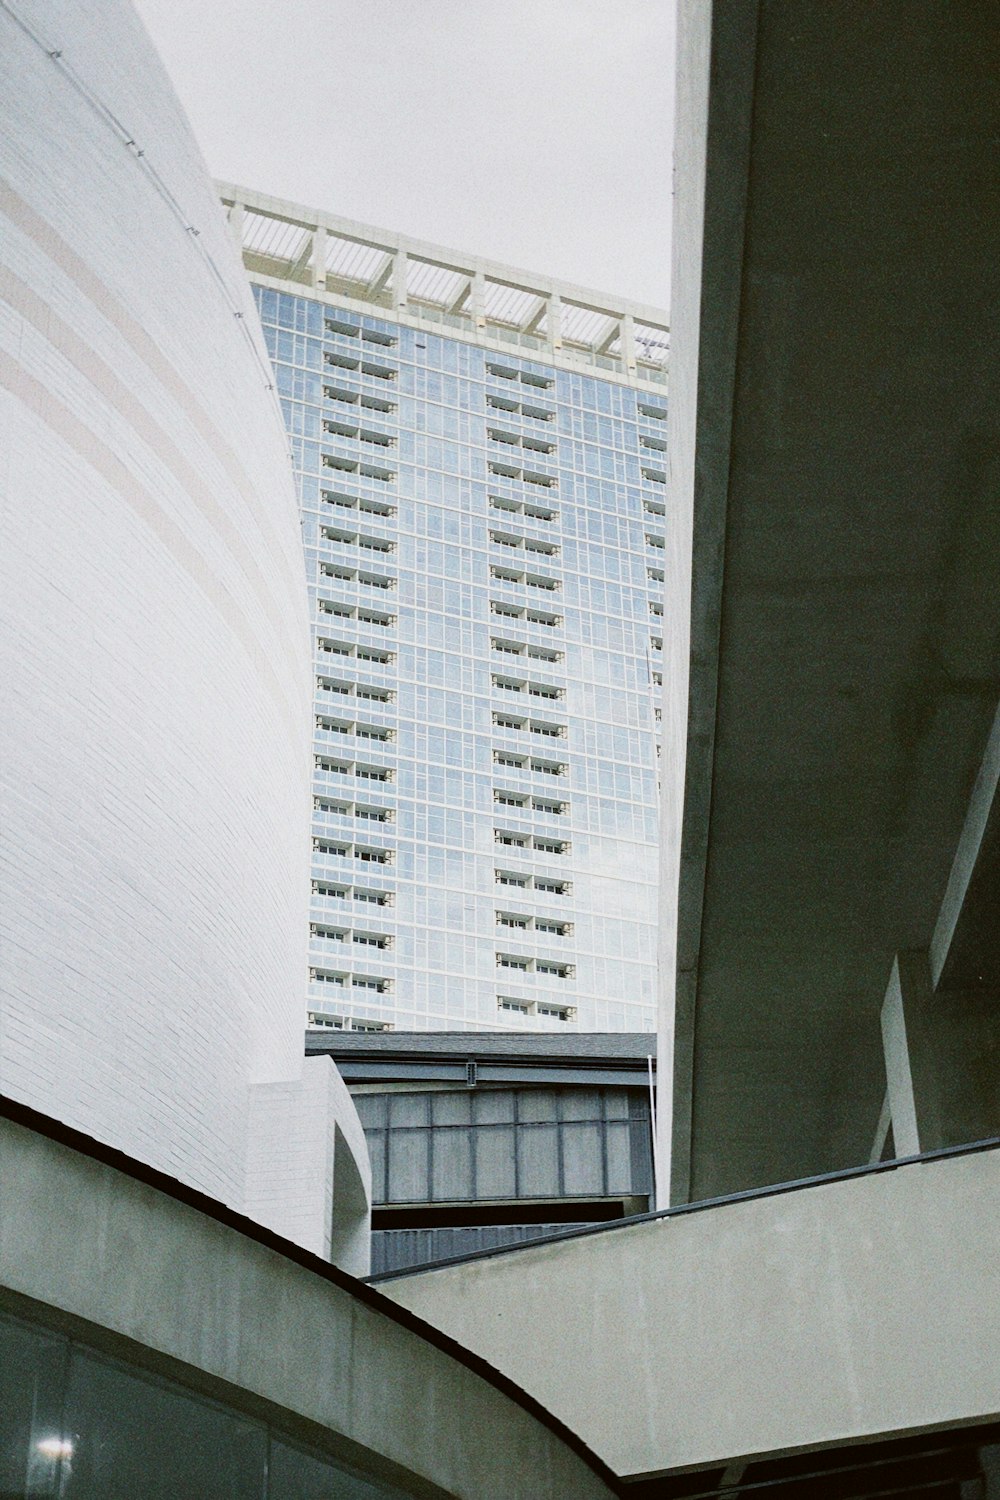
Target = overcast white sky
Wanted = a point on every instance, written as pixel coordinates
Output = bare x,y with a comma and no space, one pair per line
537,132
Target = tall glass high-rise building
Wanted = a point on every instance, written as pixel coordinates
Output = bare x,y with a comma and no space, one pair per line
481,463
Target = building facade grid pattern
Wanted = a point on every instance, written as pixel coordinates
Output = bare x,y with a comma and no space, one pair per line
483,538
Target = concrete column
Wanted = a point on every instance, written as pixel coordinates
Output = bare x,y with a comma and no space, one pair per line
319,257
941,1060
477,299
399,260
628,342
237,215
553,320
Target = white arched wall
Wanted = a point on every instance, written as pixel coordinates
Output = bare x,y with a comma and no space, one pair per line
154,656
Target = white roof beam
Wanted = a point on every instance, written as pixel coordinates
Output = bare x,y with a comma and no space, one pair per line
381,280
458,302
304,255
536,317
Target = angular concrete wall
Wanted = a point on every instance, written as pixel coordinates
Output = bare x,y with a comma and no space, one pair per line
851,1310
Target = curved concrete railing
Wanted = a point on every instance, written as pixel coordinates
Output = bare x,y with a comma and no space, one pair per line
142,1260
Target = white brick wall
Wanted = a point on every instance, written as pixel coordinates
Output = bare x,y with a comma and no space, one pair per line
154,657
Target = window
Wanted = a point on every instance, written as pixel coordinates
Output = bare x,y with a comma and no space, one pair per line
335,934
324,976
510,799
520,1007
546,805
373,773
334,767
512,840
547,966
552,887
504,758
324,888
551,926
372,898
372,507
512,877
550,846
512,961
380,372
556,1012
523,507
373,856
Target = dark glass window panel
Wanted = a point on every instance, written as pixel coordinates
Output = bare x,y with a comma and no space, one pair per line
133,1436
296,1475
32,1373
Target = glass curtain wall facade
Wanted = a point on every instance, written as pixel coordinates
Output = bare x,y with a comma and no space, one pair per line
483,537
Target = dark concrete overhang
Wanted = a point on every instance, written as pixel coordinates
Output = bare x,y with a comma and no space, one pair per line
834,425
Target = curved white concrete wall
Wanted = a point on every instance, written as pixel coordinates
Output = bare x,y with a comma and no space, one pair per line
154,673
